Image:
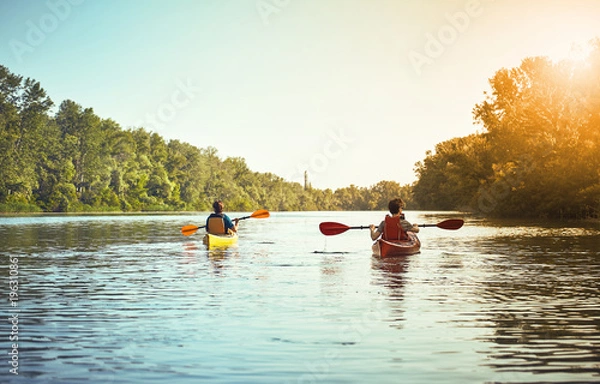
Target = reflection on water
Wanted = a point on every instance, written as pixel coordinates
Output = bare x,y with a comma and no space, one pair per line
543,300
392,271
392,276
538,289
128,299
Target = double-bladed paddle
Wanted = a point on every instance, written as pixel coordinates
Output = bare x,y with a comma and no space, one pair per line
330,228
188,230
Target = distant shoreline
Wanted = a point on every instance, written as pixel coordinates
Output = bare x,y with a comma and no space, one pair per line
100,213
589,220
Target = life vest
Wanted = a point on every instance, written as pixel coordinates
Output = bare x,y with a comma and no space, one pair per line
392,229
216,226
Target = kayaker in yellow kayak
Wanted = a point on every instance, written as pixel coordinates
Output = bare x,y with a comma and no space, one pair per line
219,223
396,220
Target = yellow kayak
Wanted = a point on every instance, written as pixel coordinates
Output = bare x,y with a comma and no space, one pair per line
214,241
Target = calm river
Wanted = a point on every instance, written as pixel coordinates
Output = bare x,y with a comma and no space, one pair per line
129,299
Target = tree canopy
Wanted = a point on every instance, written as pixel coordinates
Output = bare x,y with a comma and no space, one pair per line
539,152
78,161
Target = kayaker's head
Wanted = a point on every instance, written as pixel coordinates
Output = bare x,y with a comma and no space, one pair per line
395,206
218,206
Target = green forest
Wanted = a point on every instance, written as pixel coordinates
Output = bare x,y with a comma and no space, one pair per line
537,155
76,161
539,152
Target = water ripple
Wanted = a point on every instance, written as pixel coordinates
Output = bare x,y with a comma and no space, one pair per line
128,299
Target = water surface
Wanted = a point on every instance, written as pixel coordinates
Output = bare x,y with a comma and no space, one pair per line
129,299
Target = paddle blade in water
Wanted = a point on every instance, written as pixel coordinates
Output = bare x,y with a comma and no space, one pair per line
451,224
329,228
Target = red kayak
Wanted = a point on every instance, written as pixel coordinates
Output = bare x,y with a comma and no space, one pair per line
385,248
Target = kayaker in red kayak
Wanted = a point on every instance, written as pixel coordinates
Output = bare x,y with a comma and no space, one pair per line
397,217
219,223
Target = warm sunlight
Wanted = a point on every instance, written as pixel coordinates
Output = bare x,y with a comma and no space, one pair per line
572,48
323,191
579,52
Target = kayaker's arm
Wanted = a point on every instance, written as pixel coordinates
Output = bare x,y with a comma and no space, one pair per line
408,227
415,228
231,226
374,232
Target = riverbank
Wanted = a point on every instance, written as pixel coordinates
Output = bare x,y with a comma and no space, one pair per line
474,216
107,213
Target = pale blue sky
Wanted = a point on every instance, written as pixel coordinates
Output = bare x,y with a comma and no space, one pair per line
322,85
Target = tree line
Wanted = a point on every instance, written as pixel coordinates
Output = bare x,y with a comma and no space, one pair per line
538,155
539,152
73,161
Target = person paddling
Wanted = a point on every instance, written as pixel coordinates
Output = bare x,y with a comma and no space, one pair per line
394,227
219,223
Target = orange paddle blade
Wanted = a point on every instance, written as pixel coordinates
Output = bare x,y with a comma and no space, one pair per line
188,230
260,214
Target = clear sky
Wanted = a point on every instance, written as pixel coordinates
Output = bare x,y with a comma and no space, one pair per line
353,91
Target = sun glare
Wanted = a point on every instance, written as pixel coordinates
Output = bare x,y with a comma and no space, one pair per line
579,52
571,50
